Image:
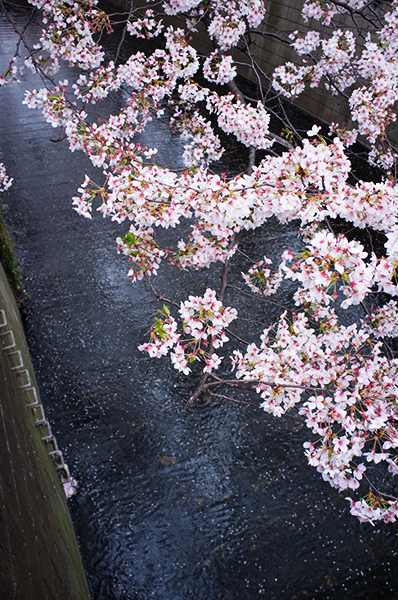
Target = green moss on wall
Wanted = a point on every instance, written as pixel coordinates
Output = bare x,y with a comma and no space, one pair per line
7,256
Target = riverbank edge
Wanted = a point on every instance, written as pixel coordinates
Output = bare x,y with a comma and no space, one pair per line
40,557
8,259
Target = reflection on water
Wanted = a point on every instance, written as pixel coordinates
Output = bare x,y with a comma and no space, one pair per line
174,503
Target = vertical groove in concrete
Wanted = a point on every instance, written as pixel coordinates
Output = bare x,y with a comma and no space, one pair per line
39,555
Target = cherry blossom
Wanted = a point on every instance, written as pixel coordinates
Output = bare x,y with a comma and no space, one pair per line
204,320
5,181
248,124
146,27
260,279
227,30
70,487
219,69
329,360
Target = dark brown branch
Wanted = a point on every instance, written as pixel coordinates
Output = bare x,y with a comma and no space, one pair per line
124,32
235,400
236,337
201,387
235,287
236,383
160,297
224,281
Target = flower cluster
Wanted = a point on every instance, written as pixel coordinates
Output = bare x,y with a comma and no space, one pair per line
218,68
173,7
260,279
352,412
315,9
70,487
5,181
252,10
69,32
205,145
10,74
347,137
372,508
139,246
146,27
248,124
227,30
373,111
289,79
383,321
307,44
337,56
327,261
97,85
337,65
204,320
163,337
200,251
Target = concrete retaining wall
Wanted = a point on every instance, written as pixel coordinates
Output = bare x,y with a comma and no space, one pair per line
39,555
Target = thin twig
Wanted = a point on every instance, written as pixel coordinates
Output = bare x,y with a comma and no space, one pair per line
160,297
235,400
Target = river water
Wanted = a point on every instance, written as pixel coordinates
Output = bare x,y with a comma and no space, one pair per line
174,503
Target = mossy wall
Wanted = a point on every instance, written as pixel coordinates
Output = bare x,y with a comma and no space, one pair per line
39,555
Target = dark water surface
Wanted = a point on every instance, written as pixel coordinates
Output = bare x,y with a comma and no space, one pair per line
174,503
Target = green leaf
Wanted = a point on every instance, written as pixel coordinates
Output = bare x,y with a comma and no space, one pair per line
159,328
129,238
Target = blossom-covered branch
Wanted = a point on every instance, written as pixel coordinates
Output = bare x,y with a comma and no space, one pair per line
327,359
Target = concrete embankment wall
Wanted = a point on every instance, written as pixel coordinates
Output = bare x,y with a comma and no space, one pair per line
39,555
